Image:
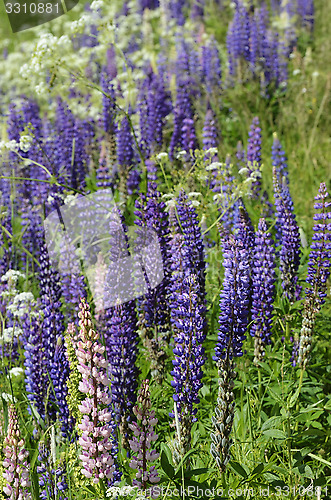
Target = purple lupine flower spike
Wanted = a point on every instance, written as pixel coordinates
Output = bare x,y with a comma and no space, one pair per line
254,156
121,344
141,442
187,315
189,226
15,462
153,307
95,439
35,376
289,239
233,323
263,281
234,301
319,266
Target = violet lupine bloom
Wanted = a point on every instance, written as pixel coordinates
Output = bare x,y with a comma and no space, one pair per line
59,375
121,340
141,442
154,105
187,316
254,156
15,462
211,68
95,439
234,301
188,224
35,376
153,307
147,4
183,111
233,321
289,239
263,281
319,266
306,12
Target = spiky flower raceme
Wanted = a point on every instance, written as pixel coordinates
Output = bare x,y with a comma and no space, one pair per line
289,239
121,344
153,307
95,439
233,321
234,301
189,358
15,463
189,226
141,442
318,271
263,278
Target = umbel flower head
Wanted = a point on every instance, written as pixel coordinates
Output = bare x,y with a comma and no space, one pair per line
15,463
95,439
141,442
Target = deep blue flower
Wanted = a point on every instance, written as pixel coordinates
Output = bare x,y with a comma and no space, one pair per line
234,299
289,240
263,282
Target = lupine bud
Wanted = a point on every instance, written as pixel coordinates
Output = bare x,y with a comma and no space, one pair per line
15,462
142,440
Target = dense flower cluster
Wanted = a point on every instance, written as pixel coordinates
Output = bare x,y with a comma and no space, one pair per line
95,439
234,301
263,281
289,239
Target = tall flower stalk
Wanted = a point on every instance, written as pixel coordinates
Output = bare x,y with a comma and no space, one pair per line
263,277
15,463
141,442
234,304
318,271
95,439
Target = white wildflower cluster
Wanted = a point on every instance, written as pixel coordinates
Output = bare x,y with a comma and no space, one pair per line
6,146
8,397
9,333
11,277
16,373
22,304
25,143
97,4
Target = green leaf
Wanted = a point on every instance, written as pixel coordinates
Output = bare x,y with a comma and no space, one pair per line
275,433
276,397
258,469
294,397
166,465
271,422
236,467
196,472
